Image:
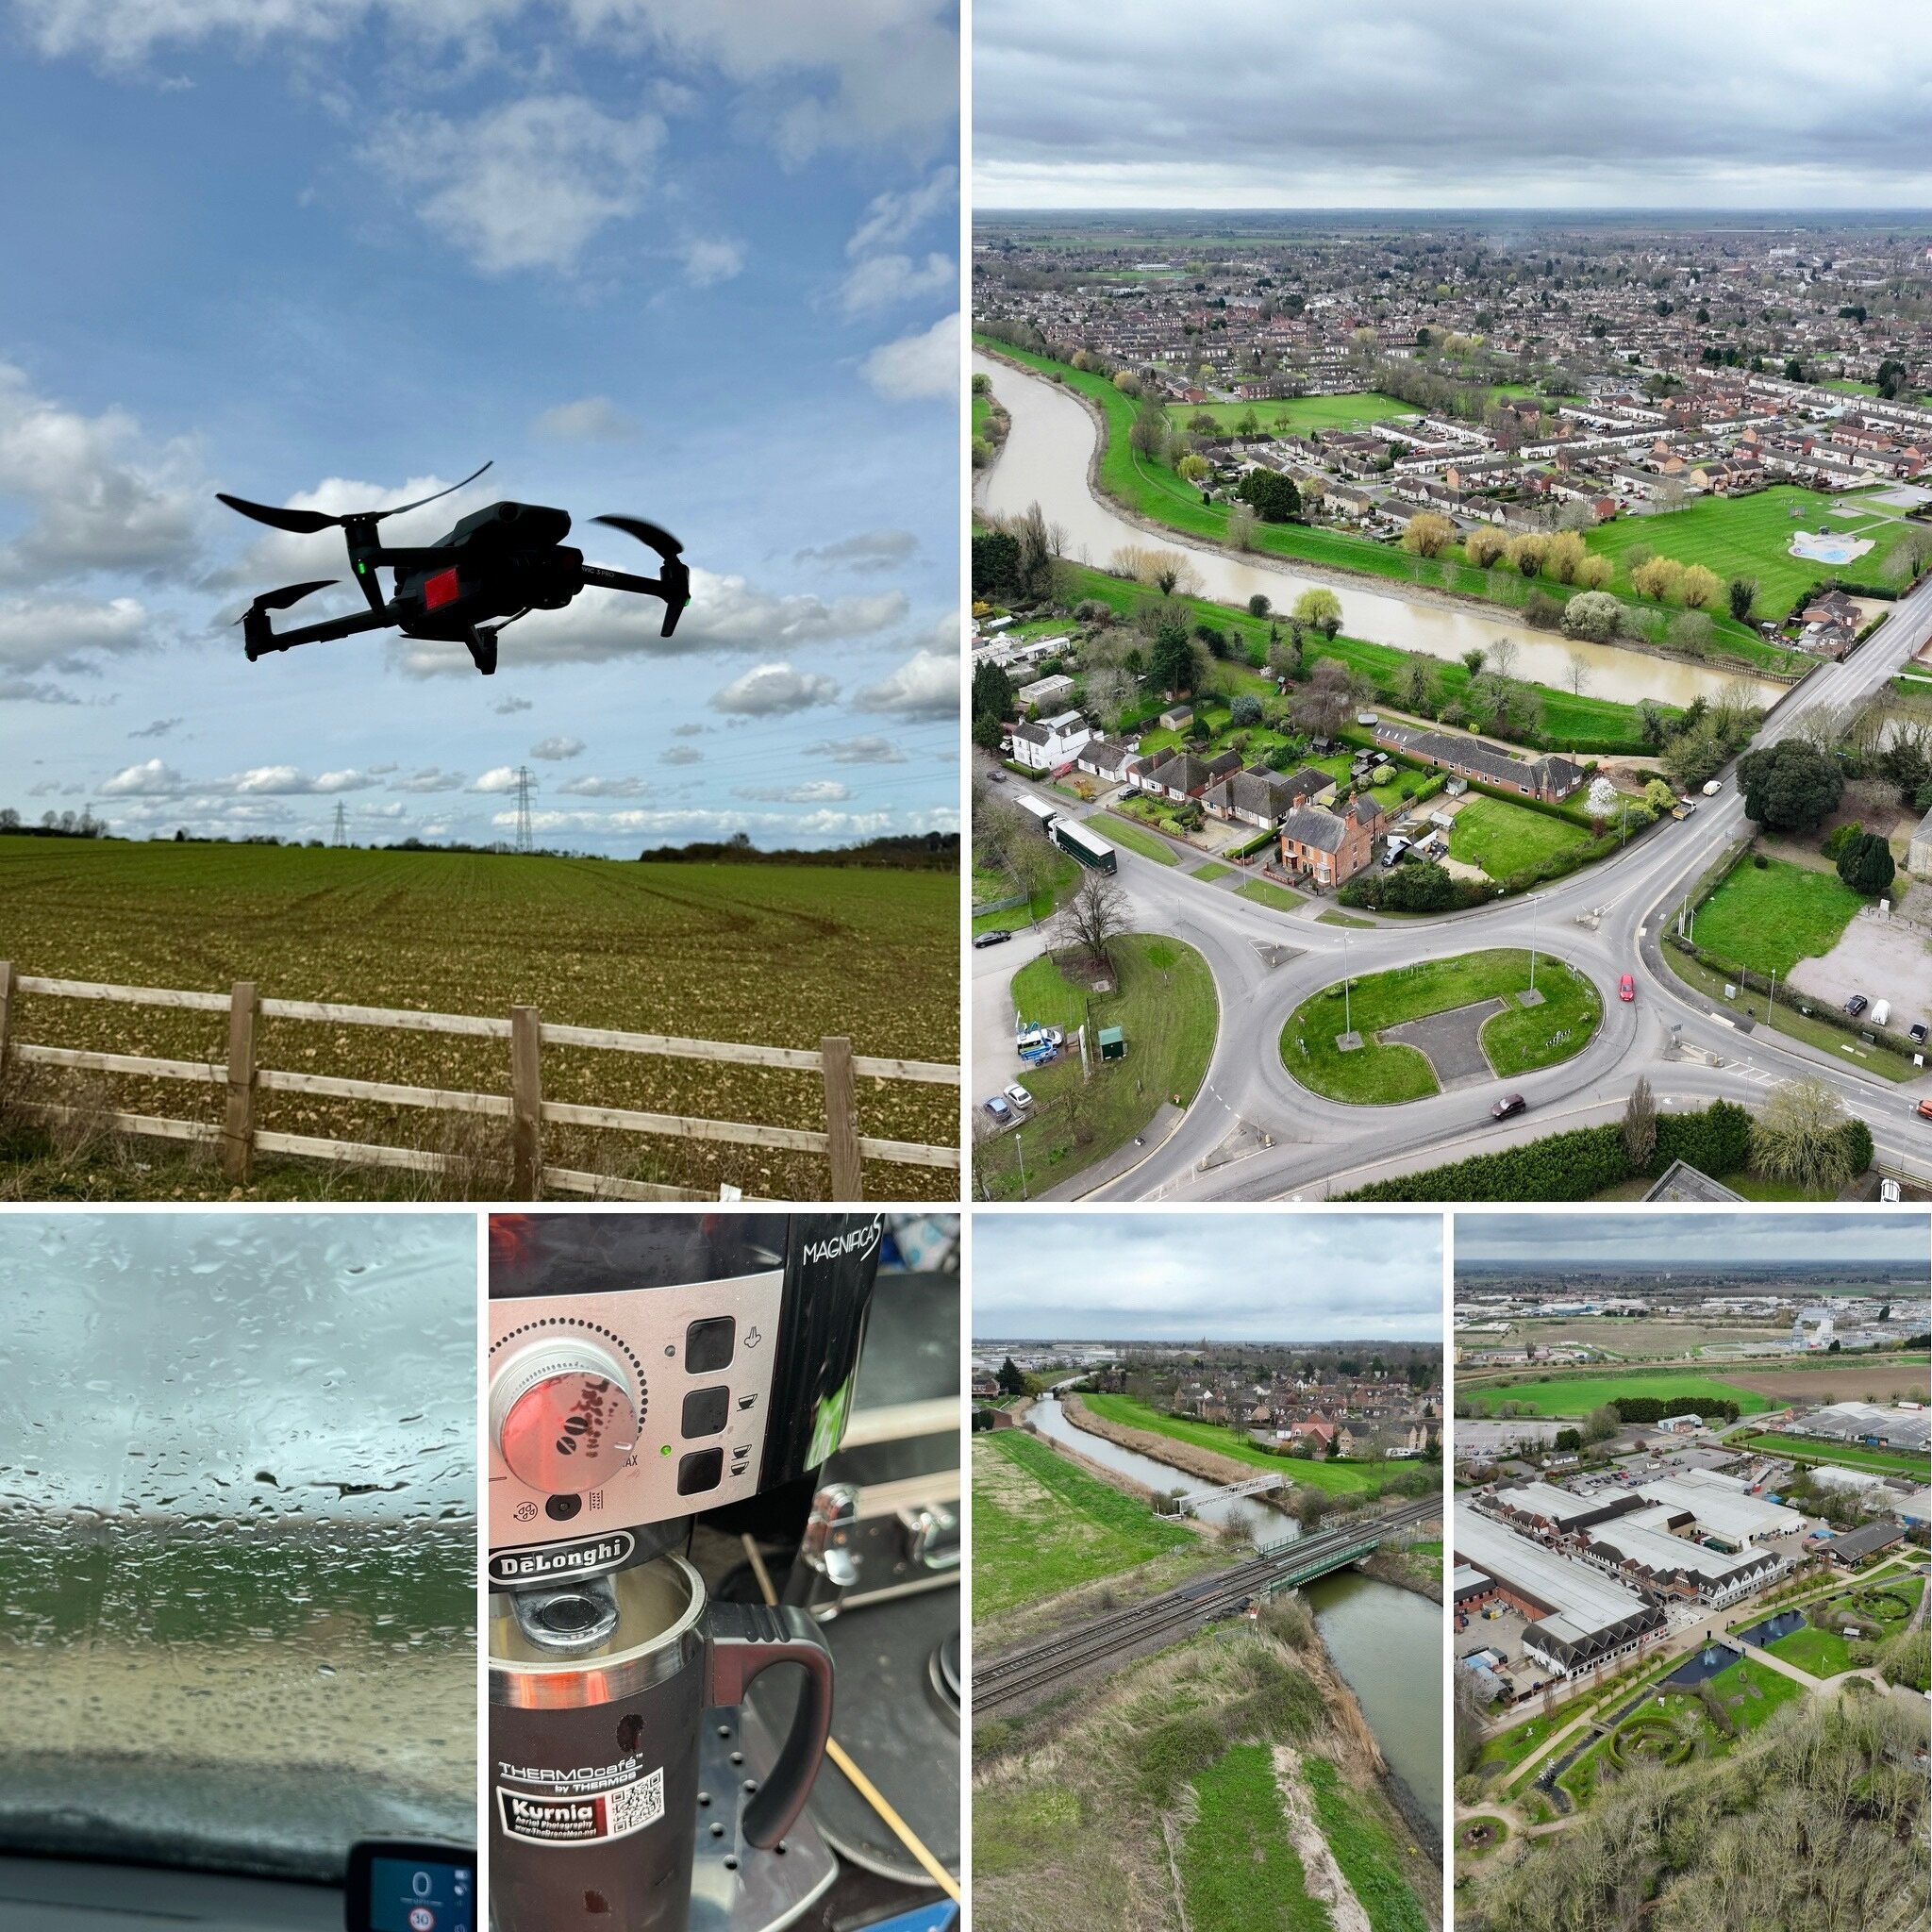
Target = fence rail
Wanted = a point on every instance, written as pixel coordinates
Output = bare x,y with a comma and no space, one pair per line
242,1076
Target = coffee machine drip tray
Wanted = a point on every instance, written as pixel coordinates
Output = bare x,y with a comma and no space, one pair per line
735,1886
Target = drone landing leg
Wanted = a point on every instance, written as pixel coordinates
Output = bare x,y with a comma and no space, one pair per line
258,640
482,643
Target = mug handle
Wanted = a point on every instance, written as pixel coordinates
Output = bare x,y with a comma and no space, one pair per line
745,1640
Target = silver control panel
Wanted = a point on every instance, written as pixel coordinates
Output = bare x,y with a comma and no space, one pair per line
612,1410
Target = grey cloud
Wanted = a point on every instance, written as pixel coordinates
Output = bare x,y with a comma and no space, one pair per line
857,751
870,550
160,728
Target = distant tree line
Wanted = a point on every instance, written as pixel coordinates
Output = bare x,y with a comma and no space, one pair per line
902,852
54,824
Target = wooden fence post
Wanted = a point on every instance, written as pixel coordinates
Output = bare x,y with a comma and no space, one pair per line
5,1010
238,1132
526,1103
841,1121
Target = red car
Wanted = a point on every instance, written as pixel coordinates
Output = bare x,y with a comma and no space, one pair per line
1626,988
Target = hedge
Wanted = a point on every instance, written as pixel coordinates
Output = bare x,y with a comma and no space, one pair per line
1577,1165
1812,1008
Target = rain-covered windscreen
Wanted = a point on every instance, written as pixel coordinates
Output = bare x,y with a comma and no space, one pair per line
236,1535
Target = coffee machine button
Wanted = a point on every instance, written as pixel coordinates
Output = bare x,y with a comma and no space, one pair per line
708,1345
564,1415
706,1411
702,1470
561,1508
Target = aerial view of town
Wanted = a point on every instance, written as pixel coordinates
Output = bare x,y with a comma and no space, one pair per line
1452,707
1207,1569
1689,1571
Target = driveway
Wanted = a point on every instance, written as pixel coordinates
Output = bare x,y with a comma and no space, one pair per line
1451,1042
994,1063
1882,958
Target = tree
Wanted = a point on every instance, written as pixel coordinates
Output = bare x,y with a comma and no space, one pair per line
1652,724
1240,525
995,562
1257,604
1416,685
1866,864
1427,535
1094,917
1692,633
1171,666
1320,609
1789,787
1741,593
1010,1378
1150,429
1639,1124
1274,497
1602,798
1799,1138
1322,705
1245,710
1035,566
993,691
1110,689
1701,589
1568,1440
1577,674
1600,1425
1484,546
1593,614
1193,469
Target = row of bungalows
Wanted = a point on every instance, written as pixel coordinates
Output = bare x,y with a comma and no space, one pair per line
1550,778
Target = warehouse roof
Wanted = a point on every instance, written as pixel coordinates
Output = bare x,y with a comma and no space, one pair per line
1643,1538
1583,1604
1720,1509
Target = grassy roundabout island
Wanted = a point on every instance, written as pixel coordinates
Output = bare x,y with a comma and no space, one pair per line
1499,1037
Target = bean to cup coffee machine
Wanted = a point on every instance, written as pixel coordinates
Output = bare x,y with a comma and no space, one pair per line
645,1369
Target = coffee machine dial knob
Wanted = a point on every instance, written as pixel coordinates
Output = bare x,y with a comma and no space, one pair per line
564,1414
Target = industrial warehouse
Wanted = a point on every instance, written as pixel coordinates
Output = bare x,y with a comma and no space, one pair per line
1904,1428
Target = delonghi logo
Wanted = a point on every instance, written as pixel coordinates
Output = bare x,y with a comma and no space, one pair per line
860,1241
561,1560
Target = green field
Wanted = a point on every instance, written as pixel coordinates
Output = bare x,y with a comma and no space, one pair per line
1164,1002
1516,1040
1823,1653
1211,871
774,955
1801,1449
1135,838
1500,838
1238,1868
1578,1395
1365,1849
1040,1525
1750,536
1299,415
1065,876
1773,916
1154,491
1266,893
1337,1478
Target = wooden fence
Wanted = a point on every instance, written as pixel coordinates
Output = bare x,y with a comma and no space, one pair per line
242,1076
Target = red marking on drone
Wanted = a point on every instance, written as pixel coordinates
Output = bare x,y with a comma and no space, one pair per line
439,589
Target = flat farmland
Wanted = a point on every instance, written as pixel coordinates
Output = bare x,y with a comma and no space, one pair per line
1578,1395
1632,1341
772,955
1899,1379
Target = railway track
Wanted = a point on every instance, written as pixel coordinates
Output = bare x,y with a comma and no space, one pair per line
1017,1675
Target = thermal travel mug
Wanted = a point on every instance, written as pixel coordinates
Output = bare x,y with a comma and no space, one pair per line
594,1797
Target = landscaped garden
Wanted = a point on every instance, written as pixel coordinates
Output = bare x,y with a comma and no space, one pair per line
1826,1646
1516,1040
1499,838
1773,915
1163,1002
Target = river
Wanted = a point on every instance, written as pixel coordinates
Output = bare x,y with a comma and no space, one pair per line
1386,1642
1044,460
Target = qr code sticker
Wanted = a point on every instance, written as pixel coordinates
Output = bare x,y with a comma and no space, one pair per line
632,1807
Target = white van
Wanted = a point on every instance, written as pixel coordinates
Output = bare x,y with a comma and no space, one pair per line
1712,787
1881,1012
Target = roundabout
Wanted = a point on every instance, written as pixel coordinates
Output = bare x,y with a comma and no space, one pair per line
1435,1025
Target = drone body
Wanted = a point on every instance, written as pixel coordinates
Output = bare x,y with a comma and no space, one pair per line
495,565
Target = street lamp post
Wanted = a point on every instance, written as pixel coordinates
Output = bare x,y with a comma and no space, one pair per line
1347,1019
1534,898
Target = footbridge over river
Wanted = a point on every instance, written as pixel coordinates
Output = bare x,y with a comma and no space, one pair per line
1255,1486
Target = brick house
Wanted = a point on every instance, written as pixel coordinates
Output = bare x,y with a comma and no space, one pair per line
1327,847
1551,778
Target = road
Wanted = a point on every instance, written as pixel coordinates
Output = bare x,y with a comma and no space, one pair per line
1322,1147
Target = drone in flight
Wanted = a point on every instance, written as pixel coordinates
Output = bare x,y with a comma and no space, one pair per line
495,566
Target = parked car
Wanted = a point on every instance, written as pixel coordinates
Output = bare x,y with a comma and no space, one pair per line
1510,1104
1626,989
1856,1004
995,776
994,935
1881,1013
1020,1097
996,1105
1916,1032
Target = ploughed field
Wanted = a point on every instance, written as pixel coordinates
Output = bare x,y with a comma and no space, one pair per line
772,955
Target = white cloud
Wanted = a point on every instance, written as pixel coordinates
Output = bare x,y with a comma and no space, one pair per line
926,686
430,778
690,729
814,791
857,751
711,259
499,778
39,634
882,280
918,368
771,691
589,419
151,778
683,754
725,614
605,787
94,497
892,217
527,185
285,781
557,748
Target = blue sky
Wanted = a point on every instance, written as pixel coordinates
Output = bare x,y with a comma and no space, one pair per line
692,263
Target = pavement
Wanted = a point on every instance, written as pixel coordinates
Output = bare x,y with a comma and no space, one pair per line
1451,1042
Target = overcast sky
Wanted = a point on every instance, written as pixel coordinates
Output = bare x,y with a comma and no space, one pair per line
1227,1277
1409,104
239,1364
694,264
1692,1240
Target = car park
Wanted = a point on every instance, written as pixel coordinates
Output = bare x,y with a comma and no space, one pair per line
994,935
1856,1004
1510,1104
997,1106
1021,1099
1626,989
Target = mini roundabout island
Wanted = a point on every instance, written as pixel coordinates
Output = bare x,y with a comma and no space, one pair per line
1430,1027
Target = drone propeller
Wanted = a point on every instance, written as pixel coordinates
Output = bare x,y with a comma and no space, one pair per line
674,585
306,522
280,600
660,540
